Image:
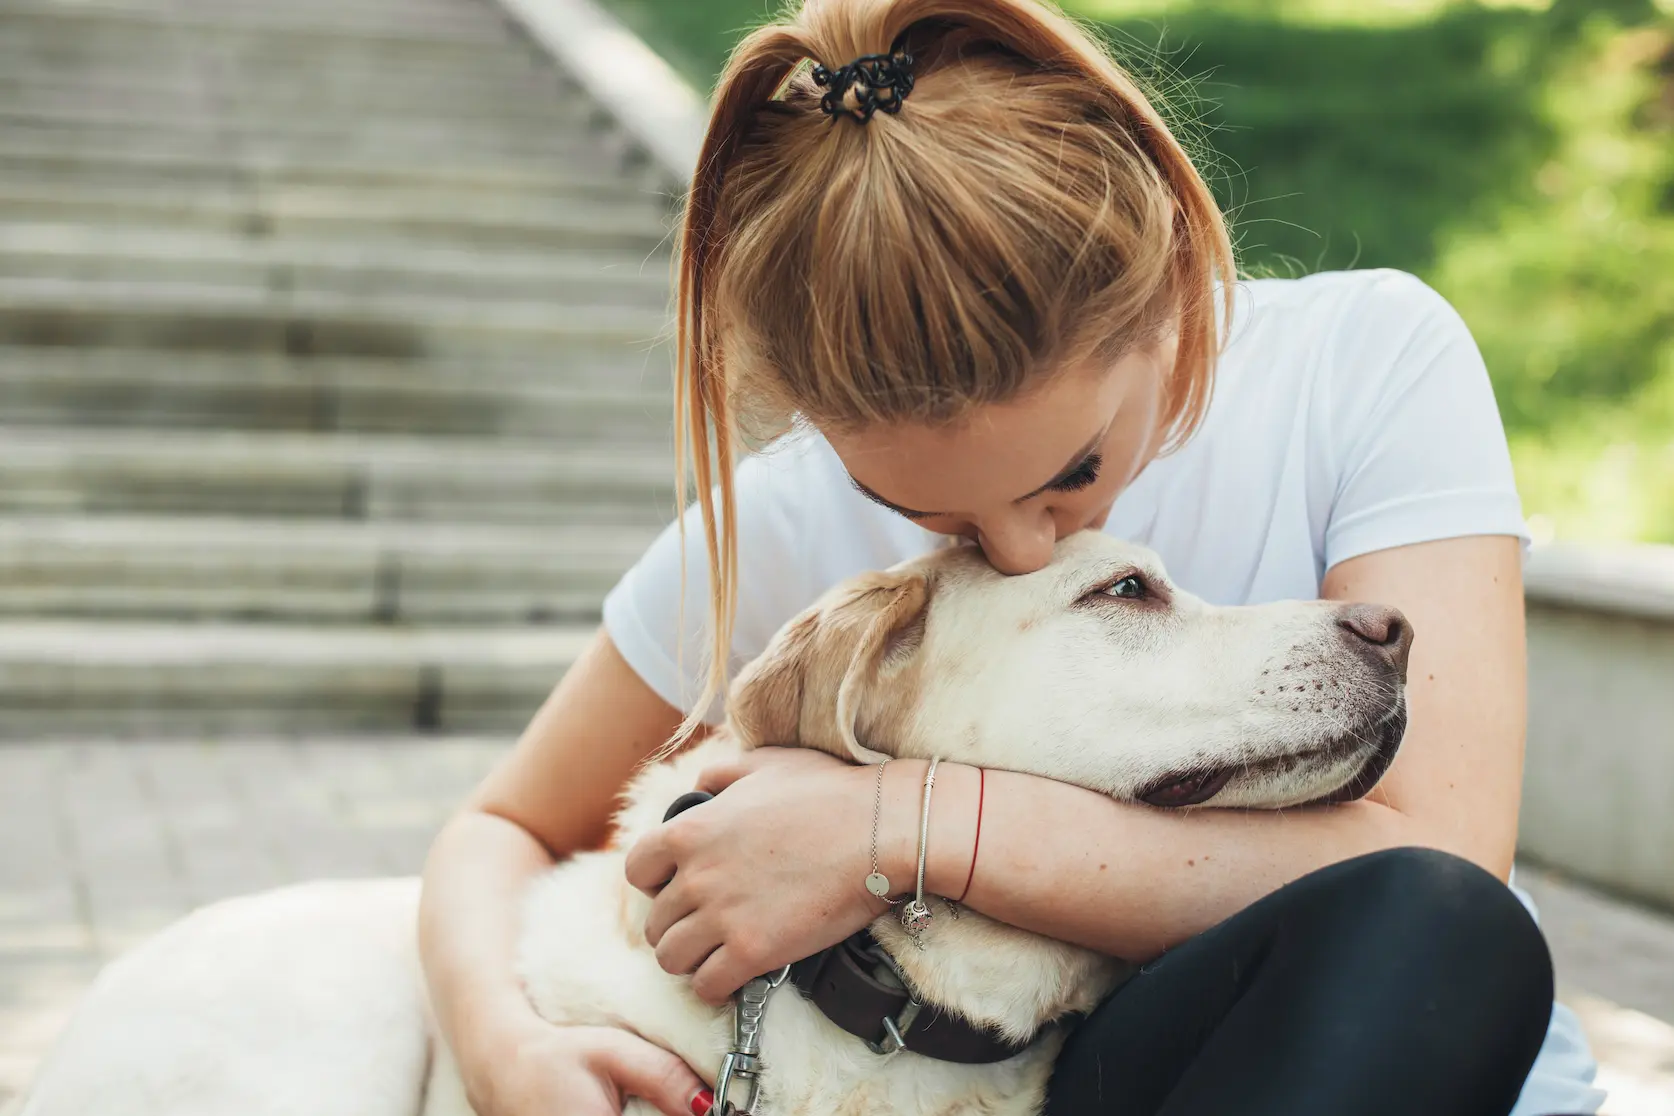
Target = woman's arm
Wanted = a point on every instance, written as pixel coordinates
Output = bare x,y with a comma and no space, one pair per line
1133,881
771,872
552,795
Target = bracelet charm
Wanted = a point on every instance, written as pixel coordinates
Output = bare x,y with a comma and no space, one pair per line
915,916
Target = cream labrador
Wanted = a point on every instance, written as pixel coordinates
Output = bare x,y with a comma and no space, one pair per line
1096,671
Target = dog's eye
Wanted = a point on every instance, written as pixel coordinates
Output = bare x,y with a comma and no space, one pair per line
1130,588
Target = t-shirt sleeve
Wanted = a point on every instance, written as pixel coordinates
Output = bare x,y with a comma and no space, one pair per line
1418,448
661,627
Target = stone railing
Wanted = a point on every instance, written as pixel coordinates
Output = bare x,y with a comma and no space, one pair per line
1598,787
628,79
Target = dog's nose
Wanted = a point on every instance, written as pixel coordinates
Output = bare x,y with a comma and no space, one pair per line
1383,630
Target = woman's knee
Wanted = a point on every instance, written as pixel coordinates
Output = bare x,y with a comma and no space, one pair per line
1453,913
1436,885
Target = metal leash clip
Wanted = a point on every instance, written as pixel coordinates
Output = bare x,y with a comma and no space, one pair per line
742,1066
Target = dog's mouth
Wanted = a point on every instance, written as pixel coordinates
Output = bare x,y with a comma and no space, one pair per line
1193,788
1386,735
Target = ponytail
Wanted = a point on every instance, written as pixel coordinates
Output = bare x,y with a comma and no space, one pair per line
1027,207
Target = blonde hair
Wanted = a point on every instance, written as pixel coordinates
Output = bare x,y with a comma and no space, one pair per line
1027,210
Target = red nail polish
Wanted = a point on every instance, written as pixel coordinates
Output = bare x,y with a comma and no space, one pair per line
703,1102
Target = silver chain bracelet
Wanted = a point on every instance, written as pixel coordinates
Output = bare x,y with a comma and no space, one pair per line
878,883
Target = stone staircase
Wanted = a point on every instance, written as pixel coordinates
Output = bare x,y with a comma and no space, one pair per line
333,366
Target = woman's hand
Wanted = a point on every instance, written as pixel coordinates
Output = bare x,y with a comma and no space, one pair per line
540,1069
763,875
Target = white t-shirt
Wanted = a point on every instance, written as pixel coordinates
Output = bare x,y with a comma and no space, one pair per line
1351,413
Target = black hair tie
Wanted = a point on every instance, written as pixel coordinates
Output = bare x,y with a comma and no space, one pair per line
879,81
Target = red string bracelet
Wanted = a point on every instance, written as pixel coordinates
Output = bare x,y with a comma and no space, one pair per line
982,788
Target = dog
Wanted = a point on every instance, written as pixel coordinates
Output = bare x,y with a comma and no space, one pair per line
1095,671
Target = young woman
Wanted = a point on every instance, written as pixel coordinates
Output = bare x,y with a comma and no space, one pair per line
954,242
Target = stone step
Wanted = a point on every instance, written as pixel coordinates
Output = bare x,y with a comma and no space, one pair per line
563,397
387,9
296,107
390,8
377,478
64,100
233,77
69,677
220,133
226,206
335,266
441,32
57,96
167,10
517,73
524,86
216,60
227,319
55,166
372,13
630,224
36,42
208,568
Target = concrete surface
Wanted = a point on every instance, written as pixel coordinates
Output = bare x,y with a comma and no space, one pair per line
1598,787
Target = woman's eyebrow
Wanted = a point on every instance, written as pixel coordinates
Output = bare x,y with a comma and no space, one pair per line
1075,463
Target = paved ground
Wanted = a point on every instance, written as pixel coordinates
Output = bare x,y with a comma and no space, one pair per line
103,843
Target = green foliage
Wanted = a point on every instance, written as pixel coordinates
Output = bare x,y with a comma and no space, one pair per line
1519,156
694,35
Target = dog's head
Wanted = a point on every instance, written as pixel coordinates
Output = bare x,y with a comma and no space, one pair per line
1097,671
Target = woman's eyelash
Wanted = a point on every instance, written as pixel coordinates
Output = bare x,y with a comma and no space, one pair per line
1086,474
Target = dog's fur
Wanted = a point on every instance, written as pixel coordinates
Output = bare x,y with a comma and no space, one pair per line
309,1000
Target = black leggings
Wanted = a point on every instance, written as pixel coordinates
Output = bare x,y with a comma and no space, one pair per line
1406,983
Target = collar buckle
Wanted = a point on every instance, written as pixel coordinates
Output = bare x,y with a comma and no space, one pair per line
895,1029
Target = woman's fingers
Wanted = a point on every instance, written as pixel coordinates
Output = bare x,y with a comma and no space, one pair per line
650,864
672,904
685,945
721,974
645,1070
718,777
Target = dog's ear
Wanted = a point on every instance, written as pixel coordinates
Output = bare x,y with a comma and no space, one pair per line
765,703
806,688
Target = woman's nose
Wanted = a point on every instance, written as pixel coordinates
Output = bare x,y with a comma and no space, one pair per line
1019,548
